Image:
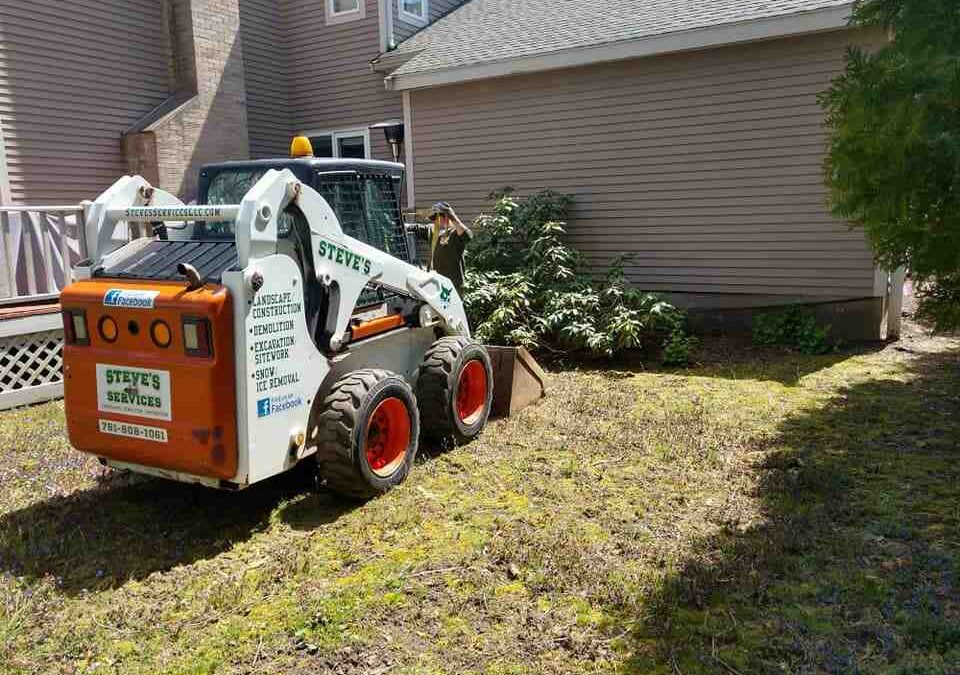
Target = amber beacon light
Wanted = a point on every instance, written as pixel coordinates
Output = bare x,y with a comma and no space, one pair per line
301,147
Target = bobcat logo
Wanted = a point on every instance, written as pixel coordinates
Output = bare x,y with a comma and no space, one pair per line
445,295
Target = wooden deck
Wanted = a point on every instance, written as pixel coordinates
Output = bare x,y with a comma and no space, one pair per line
21,311
31,359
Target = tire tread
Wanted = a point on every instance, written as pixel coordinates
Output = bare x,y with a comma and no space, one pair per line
336,426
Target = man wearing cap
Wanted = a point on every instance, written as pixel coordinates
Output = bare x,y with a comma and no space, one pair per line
448,242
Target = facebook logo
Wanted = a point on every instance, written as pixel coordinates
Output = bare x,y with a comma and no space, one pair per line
263,407
116,297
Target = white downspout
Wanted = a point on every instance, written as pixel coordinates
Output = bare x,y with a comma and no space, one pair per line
895,313
386,25
408,148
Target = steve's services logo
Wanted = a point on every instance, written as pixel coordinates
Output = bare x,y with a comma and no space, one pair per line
116,297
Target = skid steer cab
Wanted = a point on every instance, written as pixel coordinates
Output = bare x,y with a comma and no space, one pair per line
282,319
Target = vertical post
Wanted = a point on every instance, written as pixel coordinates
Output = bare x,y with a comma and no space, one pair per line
65,251
895,315
9,287
46,252
13,245
408,147
27,245
82,227
9,257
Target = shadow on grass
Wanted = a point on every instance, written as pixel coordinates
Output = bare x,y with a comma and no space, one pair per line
732,358
324,507
739,359
855,567
129,527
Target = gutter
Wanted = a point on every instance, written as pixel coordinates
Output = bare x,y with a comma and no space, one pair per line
389,61
767,28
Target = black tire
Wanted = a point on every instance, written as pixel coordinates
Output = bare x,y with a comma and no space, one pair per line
343,427
438,388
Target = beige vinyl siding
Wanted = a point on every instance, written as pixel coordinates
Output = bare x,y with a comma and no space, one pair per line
404,29
265,73
706,167
331,84
73,77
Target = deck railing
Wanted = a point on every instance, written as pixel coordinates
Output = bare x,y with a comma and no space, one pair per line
38,247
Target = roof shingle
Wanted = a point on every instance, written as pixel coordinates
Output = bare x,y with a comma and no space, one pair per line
487,31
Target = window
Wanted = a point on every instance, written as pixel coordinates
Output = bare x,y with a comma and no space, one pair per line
368,209
230,186
322,145
382,212
415,11
227,187
351,147
340,11
348,144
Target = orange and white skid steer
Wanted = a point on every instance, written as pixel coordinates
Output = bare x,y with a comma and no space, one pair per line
243,336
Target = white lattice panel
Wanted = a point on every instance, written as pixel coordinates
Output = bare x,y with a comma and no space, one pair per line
31,367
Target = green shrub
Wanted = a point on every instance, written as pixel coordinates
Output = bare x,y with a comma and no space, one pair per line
524,287
678,347
793,327
938,302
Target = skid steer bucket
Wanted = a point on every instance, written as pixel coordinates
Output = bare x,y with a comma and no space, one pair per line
518,380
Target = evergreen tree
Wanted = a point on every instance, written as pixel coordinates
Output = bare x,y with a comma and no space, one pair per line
894,160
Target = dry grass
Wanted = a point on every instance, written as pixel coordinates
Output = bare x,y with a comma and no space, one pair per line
764,512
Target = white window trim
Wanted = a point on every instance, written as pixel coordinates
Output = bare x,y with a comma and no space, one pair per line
413,18
337,134
343,17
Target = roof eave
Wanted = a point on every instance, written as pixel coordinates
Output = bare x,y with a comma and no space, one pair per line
390,61
801,23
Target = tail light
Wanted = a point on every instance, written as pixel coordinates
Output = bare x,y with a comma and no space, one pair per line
108,329
160,334
197,337
75,327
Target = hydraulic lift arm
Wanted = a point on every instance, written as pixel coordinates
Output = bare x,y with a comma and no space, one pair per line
343,264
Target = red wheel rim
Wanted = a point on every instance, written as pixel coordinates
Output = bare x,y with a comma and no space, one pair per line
388,437
472,392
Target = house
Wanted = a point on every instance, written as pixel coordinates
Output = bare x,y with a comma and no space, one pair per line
91,90
687,130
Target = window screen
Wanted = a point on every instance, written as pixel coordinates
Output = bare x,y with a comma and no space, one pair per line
343,194
368,210
382,211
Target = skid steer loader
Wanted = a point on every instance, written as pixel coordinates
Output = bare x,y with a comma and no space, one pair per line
282,319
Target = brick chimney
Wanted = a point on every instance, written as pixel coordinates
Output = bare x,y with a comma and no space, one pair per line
205,119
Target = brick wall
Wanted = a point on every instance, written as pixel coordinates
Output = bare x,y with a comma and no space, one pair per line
205,120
